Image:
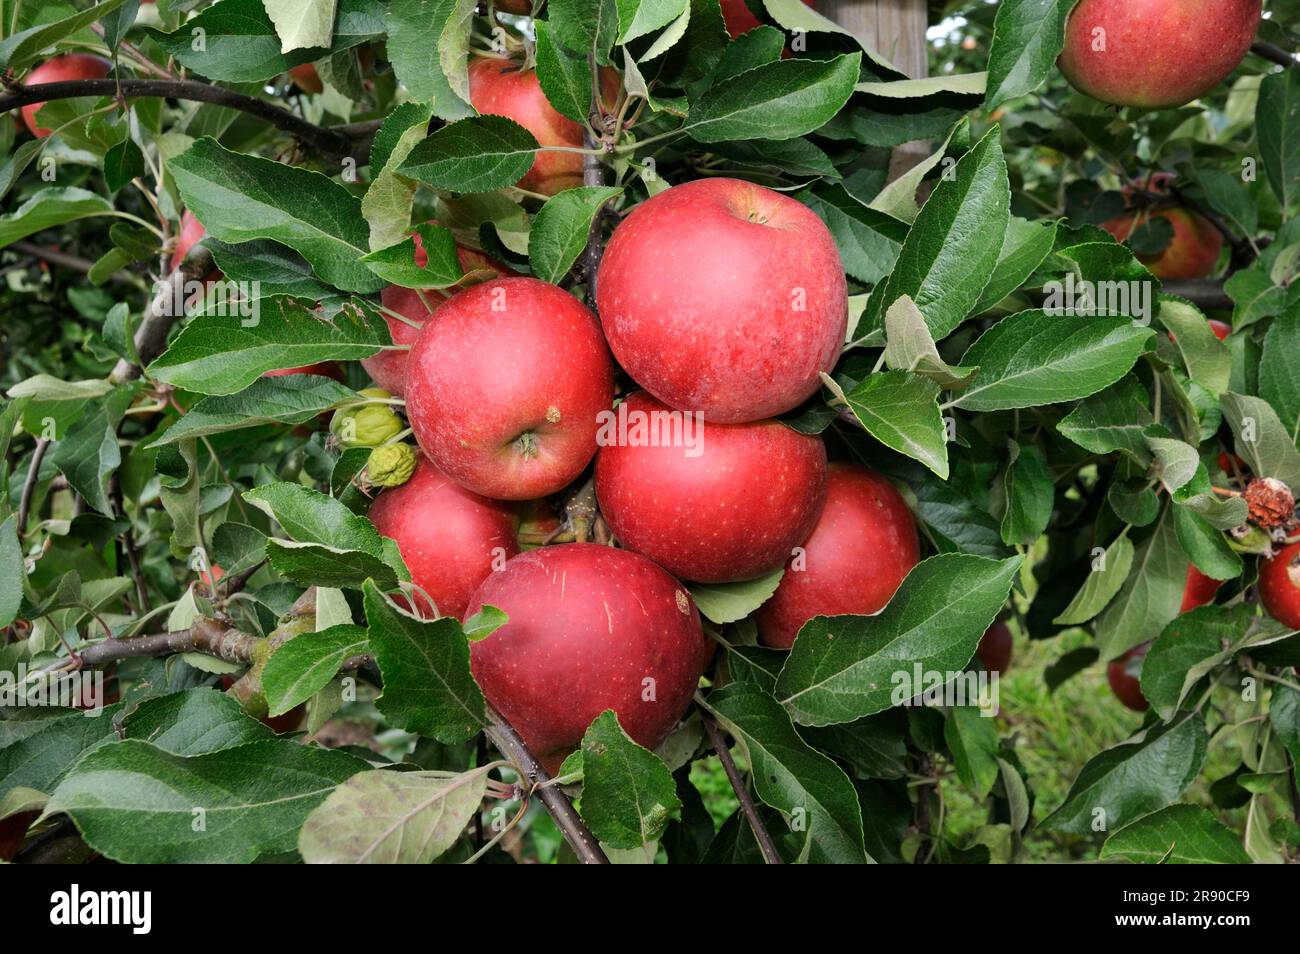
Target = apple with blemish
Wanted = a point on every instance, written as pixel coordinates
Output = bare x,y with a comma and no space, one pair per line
504,388
1279,585
590,628
450,538
1156,54
729,503
862,547
724,297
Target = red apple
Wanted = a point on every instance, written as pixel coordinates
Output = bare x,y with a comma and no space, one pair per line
1231,464
731,507
449,537
1155,53
724,297
740,19
1199,590
995,647
519,7
306,78
591,628
1279,585
1125,675
1221,329
1192,252
324,369
864,544
505,88
13,832
73,66
504,389
388,368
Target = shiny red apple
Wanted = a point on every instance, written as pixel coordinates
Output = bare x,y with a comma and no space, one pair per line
504,388
72,66
724,297
1199,590
1279,585
590,628
1191,253
863,545
449,537
996,647
730,507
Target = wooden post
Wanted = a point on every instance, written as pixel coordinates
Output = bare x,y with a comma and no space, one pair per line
896,30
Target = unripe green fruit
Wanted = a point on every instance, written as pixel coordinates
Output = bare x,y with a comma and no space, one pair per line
391,465
367,425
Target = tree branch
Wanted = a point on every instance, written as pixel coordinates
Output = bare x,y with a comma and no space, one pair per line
29,485
205,636
566,817
1274,54
593,174
765,843
335,143
64,260
151,336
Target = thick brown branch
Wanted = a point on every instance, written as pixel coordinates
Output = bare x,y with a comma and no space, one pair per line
765,843
329,142
205,636
566,817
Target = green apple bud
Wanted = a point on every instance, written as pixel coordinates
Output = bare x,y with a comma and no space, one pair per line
391,465
367,425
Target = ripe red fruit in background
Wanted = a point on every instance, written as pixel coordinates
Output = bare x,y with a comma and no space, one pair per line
591,628
1192,252
447,535
995,647
732,512
1199,590
324,369
306,78
1124,676
1156,53
1221,329
521,7
502,88
73,66
740,19
504,388
388,368
190,234
863,545
724,297
13,832
1279,585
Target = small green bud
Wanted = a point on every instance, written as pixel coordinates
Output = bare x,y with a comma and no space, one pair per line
391,465
367,425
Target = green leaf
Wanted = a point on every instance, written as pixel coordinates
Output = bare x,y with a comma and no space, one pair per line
1176,462
954,244
639,18
1031,359
560,230
1208,548
122,163
134,802
89,453
1277,124
388,201
1263,441
868,240
12,571
428,41
1115,419
909,346
972,738
306,664
1025,247
479,154
239,198
1208,362
778,100
1144,774
1279,372
628,794
215,354
302,24
731,602
25,46
12,165
1150,598
565,76
315,564
795,779
901,410
585,25
396,264
1028,36
240,44
50,207
288,399
276,269
193,722
1110,570
1193,645
428,688
41,759
842,668
1030,495
309,516
1177,835
389,817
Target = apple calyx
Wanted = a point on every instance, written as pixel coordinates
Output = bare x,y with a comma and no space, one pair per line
526,444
